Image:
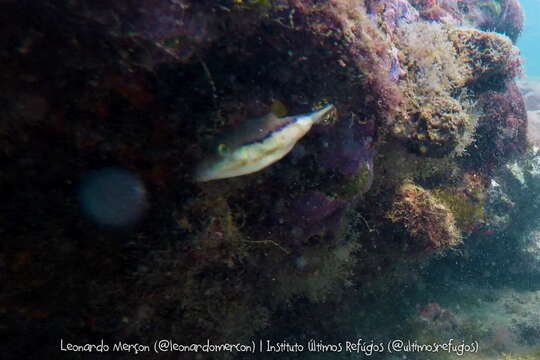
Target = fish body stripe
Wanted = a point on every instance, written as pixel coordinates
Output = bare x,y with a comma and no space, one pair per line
272,132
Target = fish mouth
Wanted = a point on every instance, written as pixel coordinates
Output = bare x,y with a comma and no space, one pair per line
324,113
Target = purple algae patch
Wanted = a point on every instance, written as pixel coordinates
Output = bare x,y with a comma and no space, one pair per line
313,213
349,147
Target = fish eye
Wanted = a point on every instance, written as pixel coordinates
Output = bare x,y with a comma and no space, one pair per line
222,149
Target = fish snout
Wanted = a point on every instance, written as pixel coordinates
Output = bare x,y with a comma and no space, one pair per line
327,112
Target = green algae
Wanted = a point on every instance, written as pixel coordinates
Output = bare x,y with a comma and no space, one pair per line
467,211
261,6
355,184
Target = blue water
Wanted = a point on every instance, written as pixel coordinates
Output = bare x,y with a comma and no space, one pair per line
529,41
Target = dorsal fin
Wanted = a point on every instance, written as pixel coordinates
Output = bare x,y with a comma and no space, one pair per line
278,108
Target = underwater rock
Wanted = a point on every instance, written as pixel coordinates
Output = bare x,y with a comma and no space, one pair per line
504,16
511,20
441,115
442,11
141,85
314,213
512,204
436,318
466,201
498,207
492,58
348,147
364,49
514,189
428,222
158,31
438,117
393,12
529,254
502,127
321,272
437,128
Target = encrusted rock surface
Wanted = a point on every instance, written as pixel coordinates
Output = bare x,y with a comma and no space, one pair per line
140,86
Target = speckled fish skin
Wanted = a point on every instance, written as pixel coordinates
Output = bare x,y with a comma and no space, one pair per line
258,143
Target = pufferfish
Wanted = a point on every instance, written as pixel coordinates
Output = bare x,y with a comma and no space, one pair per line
257,143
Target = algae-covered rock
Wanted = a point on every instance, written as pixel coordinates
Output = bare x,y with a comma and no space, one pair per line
467,210
510,234
442,114
504,16
141,86
491,57
501,134
436,128
529,254
429,223
439,117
